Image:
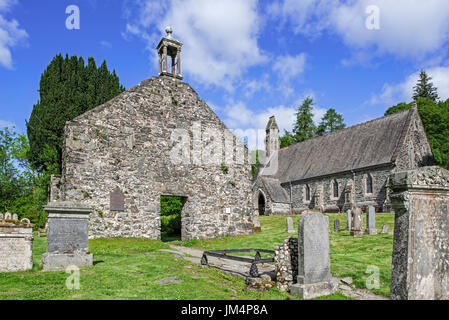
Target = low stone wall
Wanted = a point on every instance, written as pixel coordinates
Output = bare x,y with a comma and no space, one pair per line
286,262
16,247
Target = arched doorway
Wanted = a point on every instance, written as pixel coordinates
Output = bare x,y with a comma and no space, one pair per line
261,205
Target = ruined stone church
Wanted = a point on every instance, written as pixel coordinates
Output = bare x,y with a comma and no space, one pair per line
348,167
156,139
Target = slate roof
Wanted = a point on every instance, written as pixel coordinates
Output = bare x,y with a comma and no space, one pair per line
369,144
275,191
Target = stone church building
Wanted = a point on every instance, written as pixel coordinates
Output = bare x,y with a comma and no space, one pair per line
158,138
348,167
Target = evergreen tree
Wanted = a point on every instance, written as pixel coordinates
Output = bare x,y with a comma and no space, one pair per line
304,127
68,88
287,139
424,88
331,121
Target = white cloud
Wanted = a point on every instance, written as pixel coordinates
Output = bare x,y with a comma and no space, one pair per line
105,44
6,124
252,124
392,94
220,37
10,34
408,28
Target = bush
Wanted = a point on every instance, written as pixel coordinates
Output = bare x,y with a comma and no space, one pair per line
171,224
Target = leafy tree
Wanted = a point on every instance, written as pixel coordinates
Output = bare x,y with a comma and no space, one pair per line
304,127
68,88
424,88
171,209
287,139
331,121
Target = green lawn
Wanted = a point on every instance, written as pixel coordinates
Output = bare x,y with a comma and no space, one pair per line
350,256
128,268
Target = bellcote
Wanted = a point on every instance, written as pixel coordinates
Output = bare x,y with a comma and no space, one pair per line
169,47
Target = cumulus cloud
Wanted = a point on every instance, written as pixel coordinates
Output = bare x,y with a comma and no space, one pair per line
10,34
408,28
220,37
392,94
6,124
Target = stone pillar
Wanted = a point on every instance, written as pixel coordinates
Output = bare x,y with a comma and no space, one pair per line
160,63
357,222
67,237
314,277
16,246
348,220
165,58
371,220
179,63
420,266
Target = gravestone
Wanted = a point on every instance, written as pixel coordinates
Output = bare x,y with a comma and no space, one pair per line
16,247
25,220
67,236
8,216
117,200
371,221
357,222
420,263
289,223
1,216
384,229
15,216
336,225
348,220
314,278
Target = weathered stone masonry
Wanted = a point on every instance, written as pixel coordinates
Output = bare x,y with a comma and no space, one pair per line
127,144
16,243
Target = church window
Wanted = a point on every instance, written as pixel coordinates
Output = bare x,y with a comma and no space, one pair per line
307,193
335,188
369,184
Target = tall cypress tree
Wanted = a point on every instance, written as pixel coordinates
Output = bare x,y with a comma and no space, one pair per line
68,88
304,127
424,88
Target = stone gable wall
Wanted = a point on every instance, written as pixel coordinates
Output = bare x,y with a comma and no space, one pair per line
127,144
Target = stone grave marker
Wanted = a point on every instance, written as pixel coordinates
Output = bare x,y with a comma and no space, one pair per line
15,216
420,263
385,229
16,247
348,220
371,221
314,278
1,216
256,224
25,220
336,225
289,224
67,236
8,216
357,222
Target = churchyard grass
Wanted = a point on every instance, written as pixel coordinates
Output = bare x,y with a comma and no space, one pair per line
128,269
350,256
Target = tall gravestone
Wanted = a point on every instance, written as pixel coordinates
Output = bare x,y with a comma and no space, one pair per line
314,277
348,220
289,225
371,220
67,236
420,265
16,246
336,225
357,222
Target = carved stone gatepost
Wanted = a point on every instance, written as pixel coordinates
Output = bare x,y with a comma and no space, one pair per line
67,237
420,267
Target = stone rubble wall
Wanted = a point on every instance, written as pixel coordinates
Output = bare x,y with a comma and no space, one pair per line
16,247
127,144
286,263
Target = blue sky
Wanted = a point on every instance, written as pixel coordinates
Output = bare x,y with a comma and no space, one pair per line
247,59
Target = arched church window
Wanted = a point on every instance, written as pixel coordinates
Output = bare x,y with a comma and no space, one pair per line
369,184
335,187
307,193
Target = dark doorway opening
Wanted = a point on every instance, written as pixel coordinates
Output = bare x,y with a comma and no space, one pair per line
171,217
261,205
